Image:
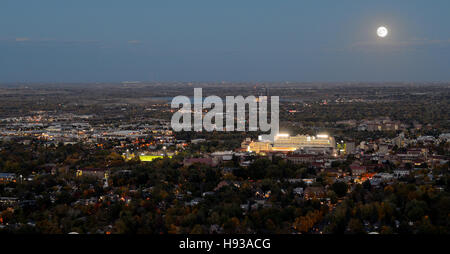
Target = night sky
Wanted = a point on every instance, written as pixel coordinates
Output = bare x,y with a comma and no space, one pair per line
232,40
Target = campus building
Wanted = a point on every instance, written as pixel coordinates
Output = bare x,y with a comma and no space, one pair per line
284,143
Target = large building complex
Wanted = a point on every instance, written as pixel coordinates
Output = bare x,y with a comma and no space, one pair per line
284,143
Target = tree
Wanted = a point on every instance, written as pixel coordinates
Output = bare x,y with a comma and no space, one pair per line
355,226
198,229
367,185
340,188
415,209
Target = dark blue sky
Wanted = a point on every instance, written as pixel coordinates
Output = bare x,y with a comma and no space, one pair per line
227,40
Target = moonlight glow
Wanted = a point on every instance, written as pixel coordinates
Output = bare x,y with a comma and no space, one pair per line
382,31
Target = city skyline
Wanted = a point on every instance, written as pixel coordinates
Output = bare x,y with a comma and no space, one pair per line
223,126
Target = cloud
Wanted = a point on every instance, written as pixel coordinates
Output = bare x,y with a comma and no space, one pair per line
134,42
405,44
22,39
48,40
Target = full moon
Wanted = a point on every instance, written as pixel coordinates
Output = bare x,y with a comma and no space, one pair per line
382,31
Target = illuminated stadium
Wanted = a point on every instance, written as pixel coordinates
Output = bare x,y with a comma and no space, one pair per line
286,143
